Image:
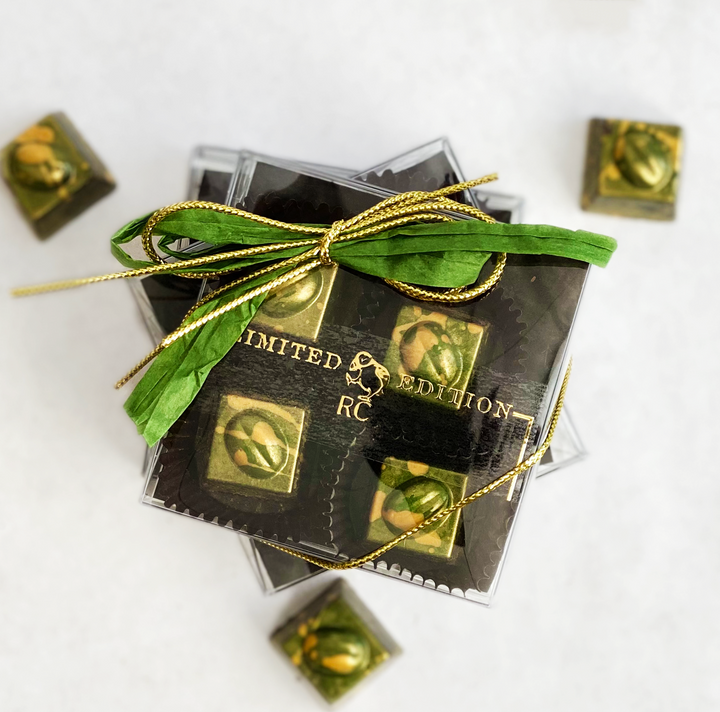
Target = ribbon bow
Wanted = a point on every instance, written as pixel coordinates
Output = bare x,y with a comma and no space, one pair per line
410,239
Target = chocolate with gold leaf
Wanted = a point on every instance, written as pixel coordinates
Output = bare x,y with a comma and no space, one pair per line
432,355
335,642
255,446
632,168
53,173
297,308
407,494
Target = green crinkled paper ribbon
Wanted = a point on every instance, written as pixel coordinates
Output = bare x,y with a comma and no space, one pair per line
440,255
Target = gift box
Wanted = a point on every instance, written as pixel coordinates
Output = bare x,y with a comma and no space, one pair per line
428,167
348,411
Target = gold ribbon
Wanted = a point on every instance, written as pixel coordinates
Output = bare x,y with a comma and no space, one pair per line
393,212
525,465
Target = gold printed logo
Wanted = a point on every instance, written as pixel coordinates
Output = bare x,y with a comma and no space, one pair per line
370,376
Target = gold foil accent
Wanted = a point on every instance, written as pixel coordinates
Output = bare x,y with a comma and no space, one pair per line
255,445
383,524
632,168
298,308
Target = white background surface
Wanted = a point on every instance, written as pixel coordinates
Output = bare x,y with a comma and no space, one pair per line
609,599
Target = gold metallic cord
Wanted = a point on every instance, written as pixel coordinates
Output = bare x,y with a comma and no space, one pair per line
193,325
453,296
390,213
241,280
169,267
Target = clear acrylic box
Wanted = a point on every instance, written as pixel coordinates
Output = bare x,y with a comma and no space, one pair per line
211,175
466,558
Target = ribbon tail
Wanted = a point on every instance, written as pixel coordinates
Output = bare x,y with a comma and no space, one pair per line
187,356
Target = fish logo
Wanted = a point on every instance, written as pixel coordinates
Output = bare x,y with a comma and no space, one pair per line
368,374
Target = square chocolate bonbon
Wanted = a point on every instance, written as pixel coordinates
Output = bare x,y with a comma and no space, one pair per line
297,308
255,445
335,642
53,173
432,355
632,168
407,494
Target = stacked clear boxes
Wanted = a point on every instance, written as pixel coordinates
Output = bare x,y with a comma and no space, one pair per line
301,193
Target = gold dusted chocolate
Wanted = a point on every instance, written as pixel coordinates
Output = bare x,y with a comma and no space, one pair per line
53,173
335,642
407,494
431,355
298,308
632,168
255,445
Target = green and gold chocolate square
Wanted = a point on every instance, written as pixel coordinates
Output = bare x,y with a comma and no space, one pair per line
298,308
335,642
53,173
431,355
407,494
632,169
255,444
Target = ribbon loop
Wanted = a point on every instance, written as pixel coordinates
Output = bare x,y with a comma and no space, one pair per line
395,211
